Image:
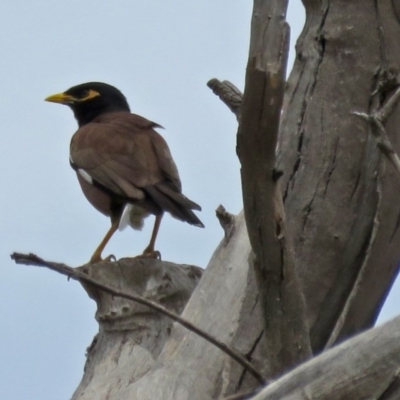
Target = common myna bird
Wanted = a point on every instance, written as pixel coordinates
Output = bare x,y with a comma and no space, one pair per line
123,165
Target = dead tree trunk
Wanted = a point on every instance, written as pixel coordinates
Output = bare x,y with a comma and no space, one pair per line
342,216
224,304
340,194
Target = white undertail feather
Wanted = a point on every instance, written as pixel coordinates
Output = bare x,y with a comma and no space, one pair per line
133,216
124,221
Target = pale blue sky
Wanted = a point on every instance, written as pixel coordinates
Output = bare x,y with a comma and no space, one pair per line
160,54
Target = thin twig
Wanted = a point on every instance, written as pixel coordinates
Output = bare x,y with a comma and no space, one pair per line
377,119
73,273
386,146
384,113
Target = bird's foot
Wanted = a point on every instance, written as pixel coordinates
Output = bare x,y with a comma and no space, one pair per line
150,254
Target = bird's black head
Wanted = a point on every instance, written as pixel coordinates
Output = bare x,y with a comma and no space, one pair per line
89,100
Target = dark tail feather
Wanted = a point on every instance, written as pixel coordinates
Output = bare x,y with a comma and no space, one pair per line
175,203
178,197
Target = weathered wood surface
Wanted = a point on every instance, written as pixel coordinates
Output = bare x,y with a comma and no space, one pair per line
341,201
143,357
286,328
131,336
365,367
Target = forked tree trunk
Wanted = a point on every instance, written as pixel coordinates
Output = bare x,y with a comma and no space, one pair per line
341,196
342,216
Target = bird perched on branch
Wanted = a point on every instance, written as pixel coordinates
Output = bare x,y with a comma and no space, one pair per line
124,167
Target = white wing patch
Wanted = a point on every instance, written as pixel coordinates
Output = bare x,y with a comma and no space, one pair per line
82,172
85,176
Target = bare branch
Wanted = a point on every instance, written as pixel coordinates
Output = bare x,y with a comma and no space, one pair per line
226,220
364,367
76,274
229,94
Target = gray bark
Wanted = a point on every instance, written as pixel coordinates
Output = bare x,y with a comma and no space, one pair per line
144,356
340,199
286,328
365,367
131,336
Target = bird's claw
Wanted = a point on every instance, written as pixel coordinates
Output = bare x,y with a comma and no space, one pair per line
110,258
97,259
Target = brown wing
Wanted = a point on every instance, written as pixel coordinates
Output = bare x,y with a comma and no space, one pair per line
116,151
165,160
122,153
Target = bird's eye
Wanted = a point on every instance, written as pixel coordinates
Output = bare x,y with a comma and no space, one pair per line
87,94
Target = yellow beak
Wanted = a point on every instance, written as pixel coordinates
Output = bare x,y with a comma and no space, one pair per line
61,98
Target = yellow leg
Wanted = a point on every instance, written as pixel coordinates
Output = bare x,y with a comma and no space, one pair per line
149,250
96,257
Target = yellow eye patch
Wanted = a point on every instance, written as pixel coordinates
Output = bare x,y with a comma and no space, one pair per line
91,93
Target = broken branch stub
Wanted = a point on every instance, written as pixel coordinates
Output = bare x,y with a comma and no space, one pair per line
287,333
